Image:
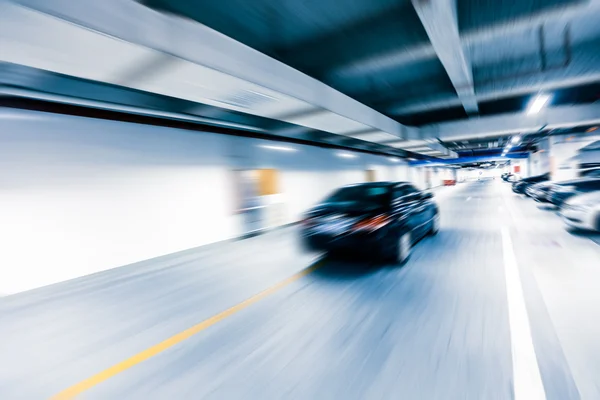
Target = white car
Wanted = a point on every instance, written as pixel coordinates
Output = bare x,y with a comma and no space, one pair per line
582,211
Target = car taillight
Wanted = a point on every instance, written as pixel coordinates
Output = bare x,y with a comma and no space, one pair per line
372,223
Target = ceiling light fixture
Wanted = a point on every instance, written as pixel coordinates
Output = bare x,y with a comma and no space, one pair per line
537,103
279,148
345,155
394,159
516,139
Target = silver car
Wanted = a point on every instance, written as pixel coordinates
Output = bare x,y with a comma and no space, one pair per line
583,211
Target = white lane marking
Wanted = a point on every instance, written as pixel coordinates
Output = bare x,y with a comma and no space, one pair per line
468,198
527,380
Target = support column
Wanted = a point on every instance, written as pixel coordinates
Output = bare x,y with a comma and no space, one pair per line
563,149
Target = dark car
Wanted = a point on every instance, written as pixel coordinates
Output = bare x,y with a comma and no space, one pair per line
381,219
521,186
507,177
540,191
591,173
562,191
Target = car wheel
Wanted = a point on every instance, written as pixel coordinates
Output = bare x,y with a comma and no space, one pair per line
403,248
435,225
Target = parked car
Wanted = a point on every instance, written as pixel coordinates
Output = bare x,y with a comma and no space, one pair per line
589,170
561,191
582,211
521,185
507,177
382,219
595,173
539,191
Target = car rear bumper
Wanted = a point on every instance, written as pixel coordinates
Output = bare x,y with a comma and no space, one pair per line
355,243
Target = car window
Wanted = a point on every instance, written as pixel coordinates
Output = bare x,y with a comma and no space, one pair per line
589,186
363,195
399,192
411,189
404,190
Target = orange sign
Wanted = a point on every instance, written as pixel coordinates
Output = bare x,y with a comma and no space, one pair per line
517,169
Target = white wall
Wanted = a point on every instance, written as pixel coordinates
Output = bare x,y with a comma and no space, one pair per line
562,149
539,162
83,195
416,175
523,164
464,174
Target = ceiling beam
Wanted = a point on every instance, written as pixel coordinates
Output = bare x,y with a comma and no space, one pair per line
439,18
206,64
583,69
514,123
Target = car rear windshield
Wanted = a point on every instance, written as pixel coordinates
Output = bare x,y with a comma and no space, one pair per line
588,186
361,195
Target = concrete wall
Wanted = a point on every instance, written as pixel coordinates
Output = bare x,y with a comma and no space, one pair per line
563,149
523,167
83,195
478,173
539,162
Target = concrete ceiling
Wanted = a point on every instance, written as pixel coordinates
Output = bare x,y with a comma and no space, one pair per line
404,57
426,62
396,76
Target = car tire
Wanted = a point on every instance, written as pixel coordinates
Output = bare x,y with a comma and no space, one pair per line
435,225
403,248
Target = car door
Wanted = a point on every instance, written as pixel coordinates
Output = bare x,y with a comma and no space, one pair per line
422,212
409,209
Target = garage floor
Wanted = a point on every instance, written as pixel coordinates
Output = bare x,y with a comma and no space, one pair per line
503,303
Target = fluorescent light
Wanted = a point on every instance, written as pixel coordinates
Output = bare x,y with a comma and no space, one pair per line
516,139
279,148
345,155
394,159
537,103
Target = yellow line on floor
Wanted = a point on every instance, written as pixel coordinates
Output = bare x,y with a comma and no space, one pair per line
100,377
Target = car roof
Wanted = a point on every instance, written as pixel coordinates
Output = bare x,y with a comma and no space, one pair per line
381,183
578,180
531,178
